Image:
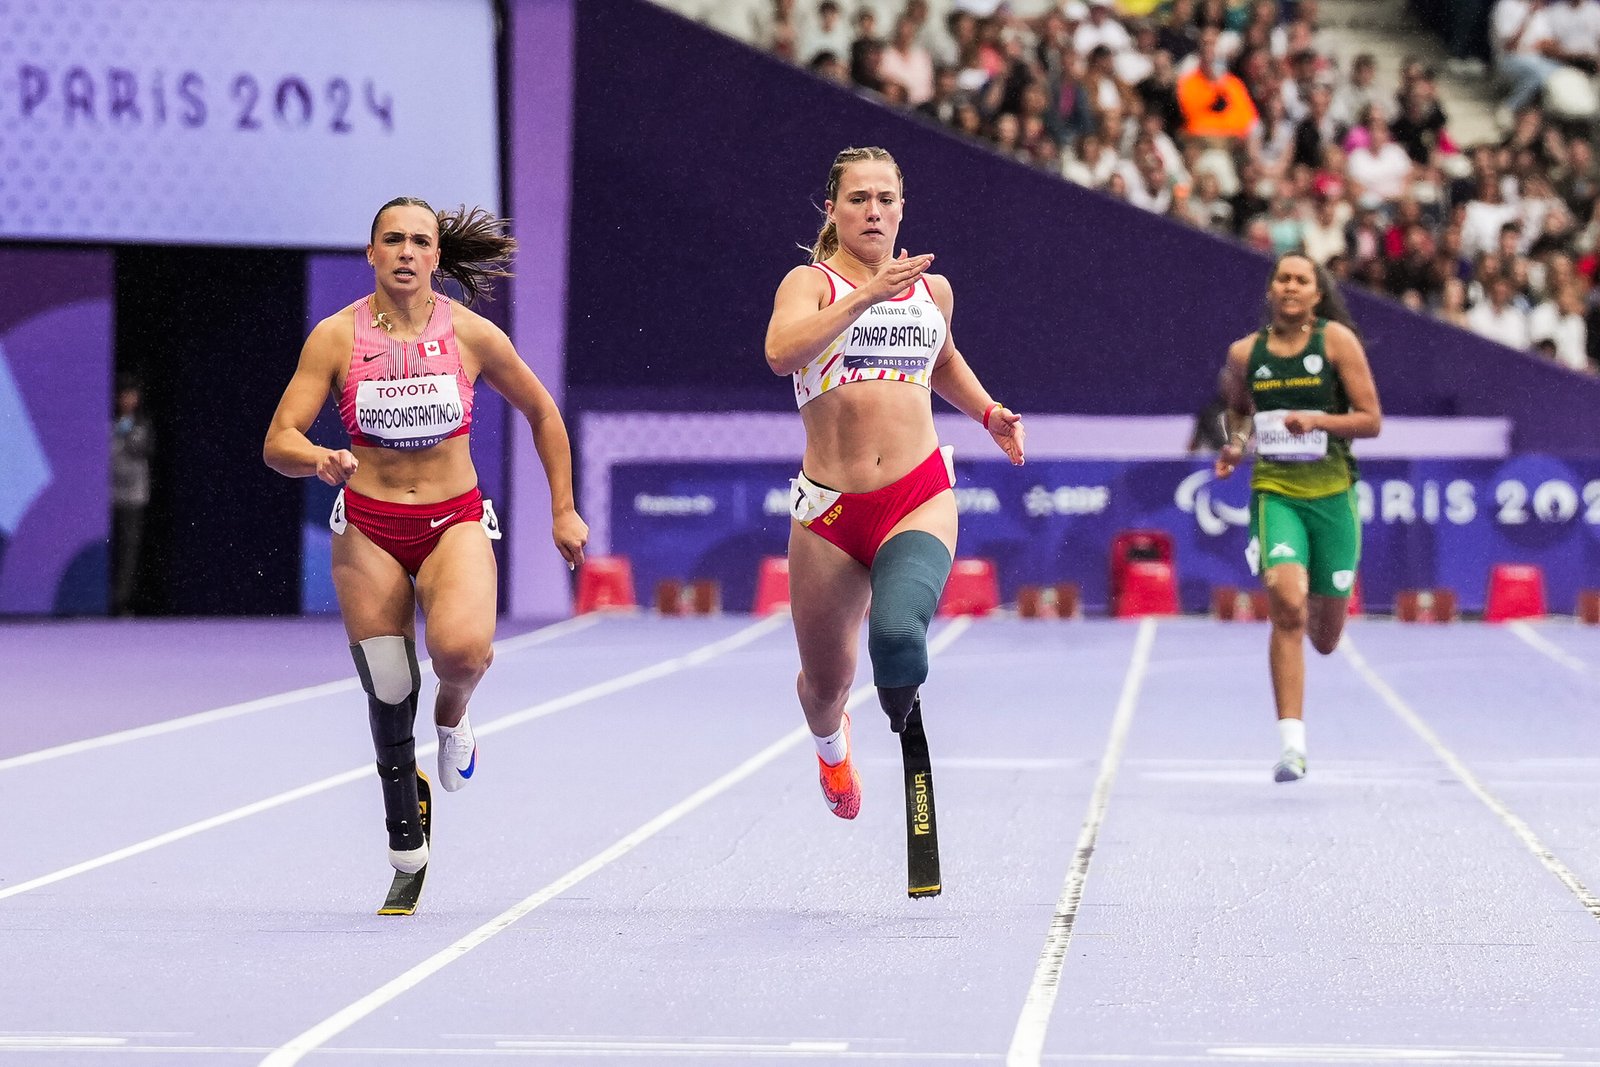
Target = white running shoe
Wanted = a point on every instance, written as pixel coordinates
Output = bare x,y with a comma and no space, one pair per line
1291,767
458,754
409,860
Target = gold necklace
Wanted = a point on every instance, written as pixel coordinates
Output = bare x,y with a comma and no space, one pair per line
381,318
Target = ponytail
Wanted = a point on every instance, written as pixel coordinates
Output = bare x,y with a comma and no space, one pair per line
473,245
827,242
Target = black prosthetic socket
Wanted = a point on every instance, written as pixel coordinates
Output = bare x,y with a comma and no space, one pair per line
897,702
392,739
397,770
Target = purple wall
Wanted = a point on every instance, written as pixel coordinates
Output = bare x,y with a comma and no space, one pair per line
698,164
538,111
55,424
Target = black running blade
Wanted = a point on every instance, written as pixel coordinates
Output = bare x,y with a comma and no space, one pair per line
922,827
406,889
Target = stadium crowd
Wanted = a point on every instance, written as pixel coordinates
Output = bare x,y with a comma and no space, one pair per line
1247,119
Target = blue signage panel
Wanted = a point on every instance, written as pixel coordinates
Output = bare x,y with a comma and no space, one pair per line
1425,523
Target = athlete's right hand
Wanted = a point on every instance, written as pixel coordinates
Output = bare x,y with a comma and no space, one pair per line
895,276
1227,459
336,467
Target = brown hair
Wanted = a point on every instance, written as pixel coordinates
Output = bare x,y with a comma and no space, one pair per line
828,239
473,246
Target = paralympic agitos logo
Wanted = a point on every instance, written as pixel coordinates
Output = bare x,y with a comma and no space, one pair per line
1212,516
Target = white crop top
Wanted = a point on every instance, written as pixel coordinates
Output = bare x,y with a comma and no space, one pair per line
895,340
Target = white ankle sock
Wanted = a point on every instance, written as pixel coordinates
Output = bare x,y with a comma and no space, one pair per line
1293,732
834,748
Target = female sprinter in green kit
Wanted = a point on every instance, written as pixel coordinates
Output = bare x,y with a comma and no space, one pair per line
1302,389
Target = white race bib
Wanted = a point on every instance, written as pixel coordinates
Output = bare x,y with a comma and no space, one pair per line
409,412
809,501
1275,442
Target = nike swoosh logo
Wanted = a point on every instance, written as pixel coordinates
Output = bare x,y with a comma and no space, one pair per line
436,523
472,764
369,359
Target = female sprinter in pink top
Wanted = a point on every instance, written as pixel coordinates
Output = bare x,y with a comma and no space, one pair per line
865,335
412,528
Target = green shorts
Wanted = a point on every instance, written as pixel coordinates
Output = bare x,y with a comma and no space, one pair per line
1321,535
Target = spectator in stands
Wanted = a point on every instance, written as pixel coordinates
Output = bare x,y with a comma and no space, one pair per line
1317,130
1271,142
1358,92
1101,29
1419,127
1381,169
906,62
1218,211
1178,35
828,32
1215,103
1575,25
1560,320
827,65
1158,94
1496,317
1485,214
1323,235
1524,50
1092,164
1453,304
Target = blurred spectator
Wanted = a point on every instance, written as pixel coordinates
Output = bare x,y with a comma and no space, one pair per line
132,442
1323,234
908,63
827,32
1453,304
1101,29
827,65
1177,36
1215,103
1560,320
1381,169
1092,164
1497,318
1524,47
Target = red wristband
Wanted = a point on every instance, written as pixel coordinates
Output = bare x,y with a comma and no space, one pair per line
990,410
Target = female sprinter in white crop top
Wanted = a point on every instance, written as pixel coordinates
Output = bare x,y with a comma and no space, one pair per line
865,335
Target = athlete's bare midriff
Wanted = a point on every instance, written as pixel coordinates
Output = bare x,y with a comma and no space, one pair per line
865,435
418,476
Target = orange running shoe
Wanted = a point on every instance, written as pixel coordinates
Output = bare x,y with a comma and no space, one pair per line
841,786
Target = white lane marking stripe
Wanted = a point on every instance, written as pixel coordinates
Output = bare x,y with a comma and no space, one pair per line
291,1052
294,696
627,681
1524,832
1027,1042
1548,647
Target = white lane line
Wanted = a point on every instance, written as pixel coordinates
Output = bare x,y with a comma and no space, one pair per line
291,1052
1548,647
1027,1041
294,696
1524,832
581,696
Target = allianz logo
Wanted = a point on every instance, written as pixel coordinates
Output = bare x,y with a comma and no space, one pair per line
1066,500
654,504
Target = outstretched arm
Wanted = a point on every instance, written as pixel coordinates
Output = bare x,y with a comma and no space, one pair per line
954,380
513,379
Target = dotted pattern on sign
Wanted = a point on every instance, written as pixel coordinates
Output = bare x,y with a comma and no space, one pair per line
136,158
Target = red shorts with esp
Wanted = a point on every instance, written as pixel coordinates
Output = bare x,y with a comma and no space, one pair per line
858,522
408,532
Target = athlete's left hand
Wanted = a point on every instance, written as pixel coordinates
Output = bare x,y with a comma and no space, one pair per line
1301,421
1005,426
571,534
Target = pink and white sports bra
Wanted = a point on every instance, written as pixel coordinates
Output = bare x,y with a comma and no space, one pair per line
895,340
405,394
